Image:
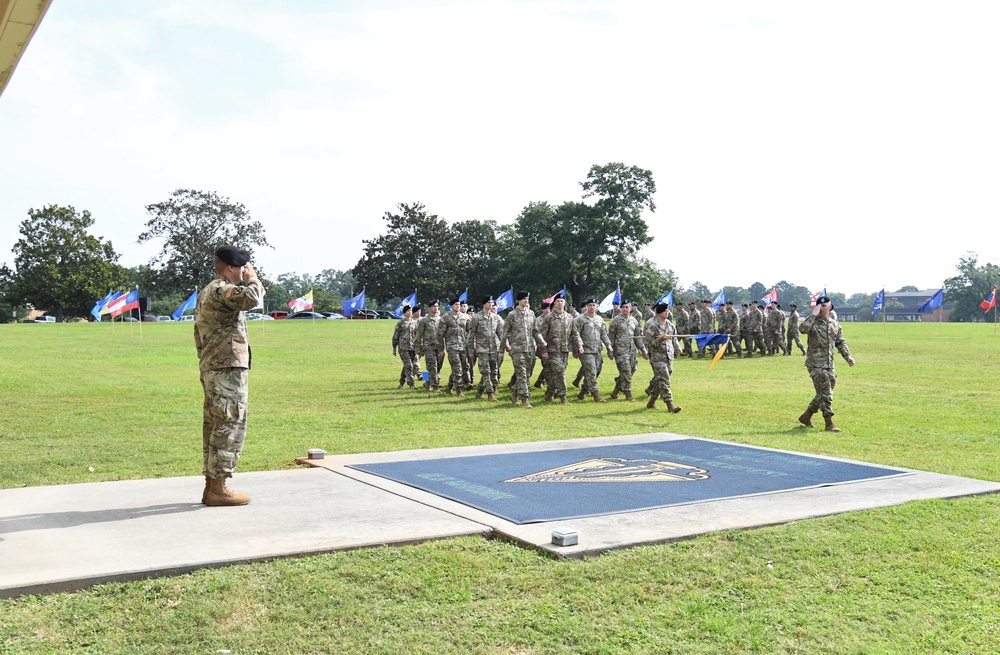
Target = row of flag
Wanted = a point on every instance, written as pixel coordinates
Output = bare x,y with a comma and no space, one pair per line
115,304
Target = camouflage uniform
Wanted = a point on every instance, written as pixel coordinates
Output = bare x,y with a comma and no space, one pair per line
745,334
430,341
455,331
623,335
824,338
220,338
793,333
405,343
694,327
733,331
594,335
756,331
707,326
661,356
484,337
772,330
520,335
561,335
681,324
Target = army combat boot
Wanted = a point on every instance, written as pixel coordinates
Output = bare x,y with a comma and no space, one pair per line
479,394
548,395
806,418
614,394
526,402
582,394
219,495
492,397
830,427
597,397
204,494
563,400
628,397
652,402
672,408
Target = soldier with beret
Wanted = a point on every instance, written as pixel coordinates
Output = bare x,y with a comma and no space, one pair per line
561,336
824,337
220,338
485,331
404,342
430,344
519,337
455,328
594,335
660,340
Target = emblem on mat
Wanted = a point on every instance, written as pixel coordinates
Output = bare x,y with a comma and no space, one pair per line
615,469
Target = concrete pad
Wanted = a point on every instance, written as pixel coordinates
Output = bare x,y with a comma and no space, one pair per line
602,533
68,537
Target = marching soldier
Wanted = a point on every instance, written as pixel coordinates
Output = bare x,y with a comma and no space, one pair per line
707,325
519,337
594,334
561,335
694,327
793,331
546,310
660,333
625,334
404,342
430,344
485,331
455,330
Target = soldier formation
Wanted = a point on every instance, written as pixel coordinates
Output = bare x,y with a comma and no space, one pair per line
482,339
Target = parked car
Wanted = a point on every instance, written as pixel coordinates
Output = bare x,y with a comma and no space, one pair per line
149,318
313,315
384,314
278,315
127,319
44,319
332,315
256,316
165,319
364,314
186,317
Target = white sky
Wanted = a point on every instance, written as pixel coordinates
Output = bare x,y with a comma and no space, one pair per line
851,145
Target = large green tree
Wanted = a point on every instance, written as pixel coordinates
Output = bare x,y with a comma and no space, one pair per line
967,289
193,224
59,266
418,251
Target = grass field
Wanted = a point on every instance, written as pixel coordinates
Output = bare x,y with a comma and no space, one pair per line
923,577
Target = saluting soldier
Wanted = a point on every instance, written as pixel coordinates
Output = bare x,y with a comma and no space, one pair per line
404,342
594,335
485,329
430,344
220,338
455,327
560,334
519,337
625,335
824,338
659,332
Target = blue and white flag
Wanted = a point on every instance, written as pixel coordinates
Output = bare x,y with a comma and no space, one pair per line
667,298
464,297
879,303
99,305
614,297
506,300
719,300
186,305
410,300
354,304
933,302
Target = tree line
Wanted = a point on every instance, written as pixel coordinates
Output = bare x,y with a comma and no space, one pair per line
586,246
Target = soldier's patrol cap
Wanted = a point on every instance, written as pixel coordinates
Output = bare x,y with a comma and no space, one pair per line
407,308
432,303
546,304
453,301
521,295
822,299
233,256
486,299
626,302
661,307
588,301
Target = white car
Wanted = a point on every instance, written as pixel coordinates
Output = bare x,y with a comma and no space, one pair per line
166,319
185,318
256,316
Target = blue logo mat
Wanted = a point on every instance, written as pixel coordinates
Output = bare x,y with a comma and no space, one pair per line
549,485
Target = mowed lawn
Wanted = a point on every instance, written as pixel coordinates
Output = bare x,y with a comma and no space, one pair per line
923,577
